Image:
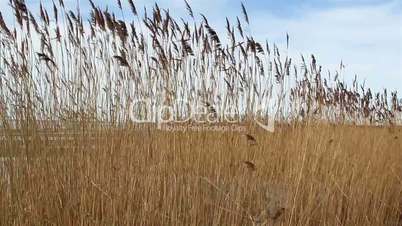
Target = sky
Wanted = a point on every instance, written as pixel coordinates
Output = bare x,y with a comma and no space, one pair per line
366,35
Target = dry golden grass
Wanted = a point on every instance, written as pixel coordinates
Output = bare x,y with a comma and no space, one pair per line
67,68
300,175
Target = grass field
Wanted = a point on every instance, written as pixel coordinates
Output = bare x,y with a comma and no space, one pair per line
73,153
313,174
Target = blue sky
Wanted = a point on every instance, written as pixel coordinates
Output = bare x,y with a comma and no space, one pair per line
365,34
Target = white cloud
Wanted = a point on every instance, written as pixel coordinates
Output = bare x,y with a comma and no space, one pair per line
368,39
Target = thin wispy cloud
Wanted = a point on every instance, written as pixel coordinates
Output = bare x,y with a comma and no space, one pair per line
366,38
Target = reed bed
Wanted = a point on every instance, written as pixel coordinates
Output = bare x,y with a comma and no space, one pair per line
71,153
315,174
59,67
